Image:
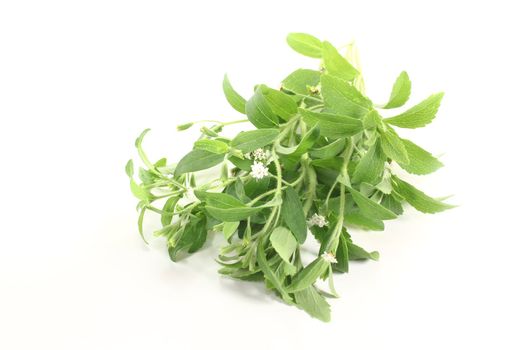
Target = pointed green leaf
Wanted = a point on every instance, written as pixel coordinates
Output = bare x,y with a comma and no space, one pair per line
419,115
284,242
418,199
370,208
421,162
307,276
329,151
219,200
299,81
248,141
332,125
391,203
139,192
293,154
313,303
168,210
259,111
281,104
370,166
229,229
342,255
355,252
269,274
336,64
343,98
364,222
235,100
394,147
231,214
212,146
129,168
400,91
293,215
140,223
305,44
197,160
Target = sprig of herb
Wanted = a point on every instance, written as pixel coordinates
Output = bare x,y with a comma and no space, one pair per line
319,161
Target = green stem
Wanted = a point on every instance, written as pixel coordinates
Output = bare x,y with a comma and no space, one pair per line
312,184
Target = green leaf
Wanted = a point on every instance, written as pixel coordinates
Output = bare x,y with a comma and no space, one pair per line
393,147
371,165
336,64
184,126
142,154
370,208
313,303
419,115
168,210
139,192
299,81
243,164
269,274
364,222
293,215
307,276
140,224
344,98
357,253
330,163
281,104
190,237
229,229
248,141
400,91
284,242
129,168
392,204
293,154
225,207
418,199
329,151
259,111
421,161
332,125
200,234
219,200
197,160
305,44
372,120
342,255
235,100
231,214
212,146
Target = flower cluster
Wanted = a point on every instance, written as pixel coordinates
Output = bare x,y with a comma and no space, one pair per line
317,220
329,257
259,170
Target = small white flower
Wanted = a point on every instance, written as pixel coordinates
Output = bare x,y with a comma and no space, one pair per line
259,170
317,220
329,257
259,154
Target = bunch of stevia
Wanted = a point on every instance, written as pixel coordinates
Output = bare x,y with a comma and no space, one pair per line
318,161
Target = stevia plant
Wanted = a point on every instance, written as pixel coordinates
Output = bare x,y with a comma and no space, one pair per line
319,160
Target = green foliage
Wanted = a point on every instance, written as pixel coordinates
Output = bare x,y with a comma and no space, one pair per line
400,91
234,99
319,161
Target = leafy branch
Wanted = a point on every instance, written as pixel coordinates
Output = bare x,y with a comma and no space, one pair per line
319,161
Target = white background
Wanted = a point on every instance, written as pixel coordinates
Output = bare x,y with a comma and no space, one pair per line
79,80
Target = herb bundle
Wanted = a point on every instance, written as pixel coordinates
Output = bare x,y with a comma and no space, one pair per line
319,160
